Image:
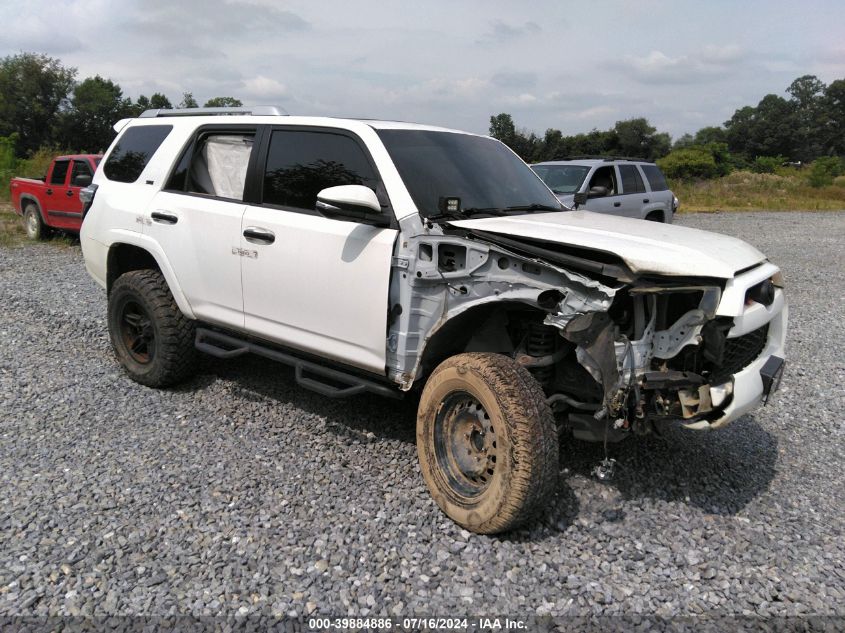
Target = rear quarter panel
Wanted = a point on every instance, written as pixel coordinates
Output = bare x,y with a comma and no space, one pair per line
23,190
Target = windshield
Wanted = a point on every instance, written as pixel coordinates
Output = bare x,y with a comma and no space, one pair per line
562,178
486,176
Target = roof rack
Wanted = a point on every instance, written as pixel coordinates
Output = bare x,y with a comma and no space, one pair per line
603,157
254,110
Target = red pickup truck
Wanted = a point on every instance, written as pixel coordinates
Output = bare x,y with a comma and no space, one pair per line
53,202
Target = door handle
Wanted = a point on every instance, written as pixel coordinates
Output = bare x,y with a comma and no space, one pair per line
162,217
69,193
256,235
645,200
49,192
617,204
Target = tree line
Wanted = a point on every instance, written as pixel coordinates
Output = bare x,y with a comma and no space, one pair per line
43,105
807,125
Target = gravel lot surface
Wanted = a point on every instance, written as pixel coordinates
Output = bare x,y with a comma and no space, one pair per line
243,493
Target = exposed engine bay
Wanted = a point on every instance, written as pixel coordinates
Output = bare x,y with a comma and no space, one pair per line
617,351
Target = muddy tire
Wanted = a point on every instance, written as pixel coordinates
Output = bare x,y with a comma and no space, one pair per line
486,442
33,224
152,339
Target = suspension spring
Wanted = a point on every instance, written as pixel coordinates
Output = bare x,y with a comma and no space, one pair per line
541,342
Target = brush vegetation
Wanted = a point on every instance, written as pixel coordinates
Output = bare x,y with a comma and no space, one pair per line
788,189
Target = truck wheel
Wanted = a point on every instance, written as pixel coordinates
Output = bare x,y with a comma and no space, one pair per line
153,340
33,224
486,442
654,216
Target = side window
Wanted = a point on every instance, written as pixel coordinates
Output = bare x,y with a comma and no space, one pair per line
59,172
80,168
133,151
301,163
215,165
655,178
605,177
631,180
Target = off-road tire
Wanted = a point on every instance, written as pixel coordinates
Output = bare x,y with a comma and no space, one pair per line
524,469
33,224
171,352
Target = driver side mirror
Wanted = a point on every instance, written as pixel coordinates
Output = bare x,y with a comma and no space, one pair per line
580,198
597,192
355,203
82,180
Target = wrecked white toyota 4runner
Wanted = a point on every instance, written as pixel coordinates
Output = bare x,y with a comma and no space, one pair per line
387,257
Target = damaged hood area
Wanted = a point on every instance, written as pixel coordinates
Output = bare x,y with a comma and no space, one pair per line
645,247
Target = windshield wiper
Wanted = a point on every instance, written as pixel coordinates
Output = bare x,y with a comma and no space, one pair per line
498,211
483,210
533,207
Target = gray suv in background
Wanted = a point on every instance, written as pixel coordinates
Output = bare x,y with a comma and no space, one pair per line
621,186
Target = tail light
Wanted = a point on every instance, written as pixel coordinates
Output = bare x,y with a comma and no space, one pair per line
86,194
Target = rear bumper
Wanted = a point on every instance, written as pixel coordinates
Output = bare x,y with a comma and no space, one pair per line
95,255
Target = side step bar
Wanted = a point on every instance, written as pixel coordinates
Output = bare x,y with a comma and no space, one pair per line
225,346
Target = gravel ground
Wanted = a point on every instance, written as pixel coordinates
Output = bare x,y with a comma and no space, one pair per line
242,493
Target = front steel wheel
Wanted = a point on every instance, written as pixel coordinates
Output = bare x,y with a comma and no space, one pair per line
486,442
465,444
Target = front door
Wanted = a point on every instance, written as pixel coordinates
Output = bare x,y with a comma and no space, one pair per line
59,201
605,176
309,282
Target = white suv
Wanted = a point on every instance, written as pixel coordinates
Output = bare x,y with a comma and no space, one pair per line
388,258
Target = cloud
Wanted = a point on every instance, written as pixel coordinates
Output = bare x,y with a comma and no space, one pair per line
659,68
214,22
594,112
453,91
37,33
261,87
722,54
501,32
833,55
514,80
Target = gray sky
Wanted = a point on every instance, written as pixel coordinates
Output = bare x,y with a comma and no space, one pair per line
569,65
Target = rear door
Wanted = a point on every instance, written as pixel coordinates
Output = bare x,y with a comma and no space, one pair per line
660,197
634,196
196,219
312,283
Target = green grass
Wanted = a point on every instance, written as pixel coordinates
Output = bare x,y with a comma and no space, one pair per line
787,190
11,227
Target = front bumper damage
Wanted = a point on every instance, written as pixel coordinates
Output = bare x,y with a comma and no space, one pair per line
642,383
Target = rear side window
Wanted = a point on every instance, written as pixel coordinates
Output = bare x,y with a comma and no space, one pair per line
133,151
59,172
655,178
216,165
631,181
302,163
